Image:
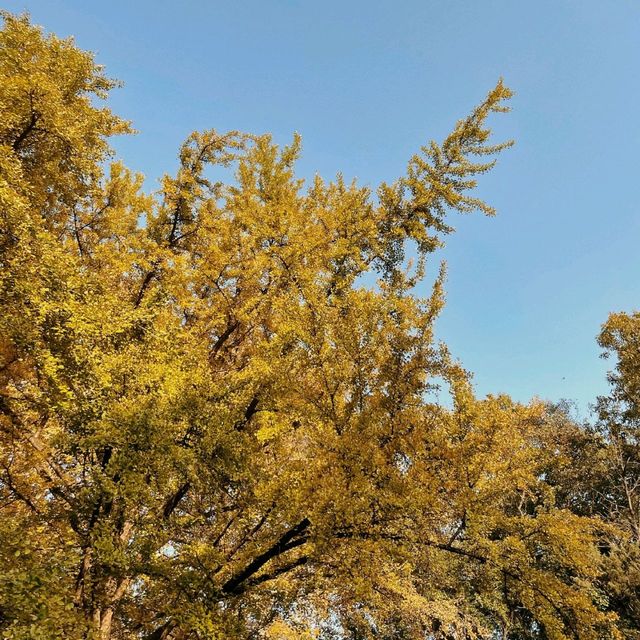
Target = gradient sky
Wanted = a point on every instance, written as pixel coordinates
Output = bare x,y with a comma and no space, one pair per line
366,83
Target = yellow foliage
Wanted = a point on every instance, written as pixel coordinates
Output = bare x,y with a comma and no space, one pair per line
211,428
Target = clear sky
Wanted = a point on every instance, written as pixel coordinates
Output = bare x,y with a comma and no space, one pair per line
366,83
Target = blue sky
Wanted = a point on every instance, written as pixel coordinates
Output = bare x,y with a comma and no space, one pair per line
366,83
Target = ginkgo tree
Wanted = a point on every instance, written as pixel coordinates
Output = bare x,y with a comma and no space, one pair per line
211,428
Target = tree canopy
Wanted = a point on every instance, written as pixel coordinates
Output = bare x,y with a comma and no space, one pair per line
214,425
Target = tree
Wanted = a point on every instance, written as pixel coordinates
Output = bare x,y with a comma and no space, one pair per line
619,422
210,428
596,472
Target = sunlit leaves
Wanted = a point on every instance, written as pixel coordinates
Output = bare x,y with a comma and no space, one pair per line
217,417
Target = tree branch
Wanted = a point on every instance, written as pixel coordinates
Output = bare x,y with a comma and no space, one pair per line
174,500
30,126
287,541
